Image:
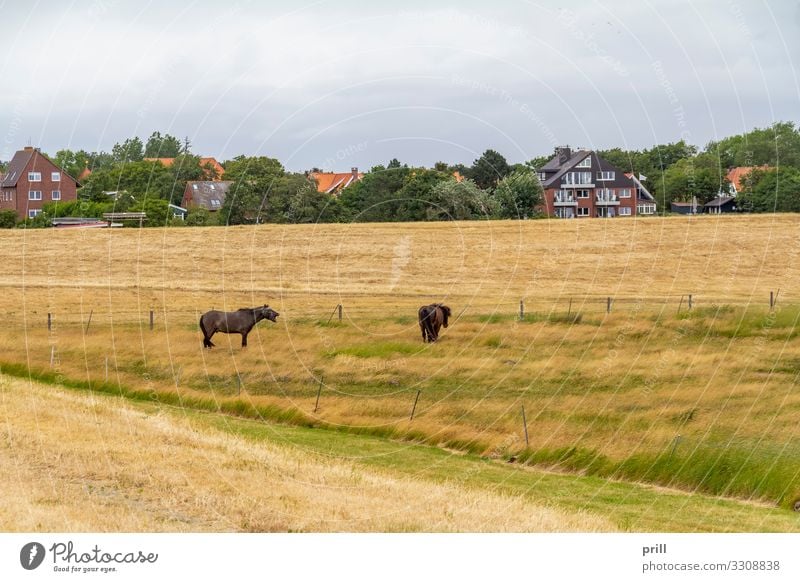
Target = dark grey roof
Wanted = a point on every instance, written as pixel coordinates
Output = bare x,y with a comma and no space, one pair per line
719,201
210,195
574,159
15,167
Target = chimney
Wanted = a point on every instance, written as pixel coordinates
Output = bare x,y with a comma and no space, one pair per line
28,148
354,171
563,153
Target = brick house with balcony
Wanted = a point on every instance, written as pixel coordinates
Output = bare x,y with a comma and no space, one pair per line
582,184
32,181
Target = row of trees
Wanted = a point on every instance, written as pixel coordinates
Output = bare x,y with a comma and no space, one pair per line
263,191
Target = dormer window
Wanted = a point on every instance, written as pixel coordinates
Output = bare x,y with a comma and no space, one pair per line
585,162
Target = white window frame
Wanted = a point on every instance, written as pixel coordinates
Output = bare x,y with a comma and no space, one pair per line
604,193
624,192
216,203
32,194
577,178
582,211
585,162
34,212
55,176
625,211
55,195
606,175
542,176
34,176
584,194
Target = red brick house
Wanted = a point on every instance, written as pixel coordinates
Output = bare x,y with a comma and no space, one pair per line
32,181
582,184
208,194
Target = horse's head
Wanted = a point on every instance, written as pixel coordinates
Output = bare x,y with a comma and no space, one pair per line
266,313
446,313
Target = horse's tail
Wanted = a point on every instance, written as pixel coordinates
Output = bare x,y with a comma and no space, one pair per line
205,333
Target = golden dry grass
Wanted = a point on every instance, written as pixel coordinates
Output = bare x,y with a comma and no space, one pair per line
74,462
622,384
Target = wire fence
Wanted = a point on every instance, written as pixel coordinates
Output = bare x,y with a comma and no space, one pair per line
401,308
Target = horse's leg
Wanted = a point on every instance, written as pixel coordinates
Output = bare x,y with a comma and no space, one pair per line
244,339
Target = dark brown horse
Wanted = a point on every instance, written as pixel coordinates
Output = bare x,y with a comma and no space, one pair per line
431,319
240,321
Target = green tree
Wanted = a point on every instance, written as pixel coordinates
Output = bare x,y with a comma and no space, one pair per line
140,179
518,194
8,218
72,162
253,168
374,197
489,169
157,211
777,145
131,150
775,190
307,205
162,146
451,200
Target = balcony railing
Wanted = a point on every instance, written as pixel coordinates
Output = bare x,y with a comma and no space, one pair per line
606,199
565,200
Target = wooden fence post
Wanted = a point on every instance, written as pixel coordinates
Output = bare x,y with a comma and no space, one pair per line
88,323
690,300
339,307
49,322
521,309
525,426
319,391
569,309
414,408
151,320
771,300
608,305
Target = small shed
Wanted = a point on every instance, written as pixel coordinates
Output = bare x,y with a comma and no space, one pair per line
721,205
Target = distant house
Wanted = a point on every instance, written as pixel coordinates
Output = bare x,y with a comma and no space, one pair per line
335,182
212,168
32,181
206,194
740,180
582,184
721,205
686,207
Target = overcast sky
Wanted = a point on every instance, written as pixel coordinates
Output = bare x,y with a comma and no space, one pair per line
345,83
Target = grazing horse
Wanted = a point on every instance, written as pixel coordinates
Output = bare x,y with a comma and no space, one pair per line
431,319
240,321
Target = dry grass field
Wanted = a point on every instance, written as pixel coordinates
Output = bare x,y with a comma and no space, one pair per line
78,463
703,399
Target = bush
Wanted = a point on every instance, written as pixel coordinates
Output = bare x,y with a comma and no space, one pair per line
8,219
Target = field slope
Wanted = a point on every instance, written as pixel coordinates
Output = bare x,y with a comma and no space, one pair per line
80,461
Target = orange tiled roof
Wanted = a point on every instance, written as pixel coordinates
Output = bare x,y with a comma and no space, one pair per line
457,175
333,182
167,162
85,174
736,175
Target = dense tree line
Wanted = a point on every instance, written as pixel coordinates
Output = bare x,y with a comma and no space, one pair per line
263,191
